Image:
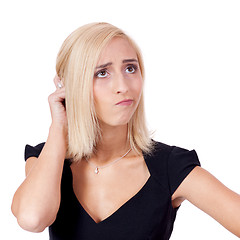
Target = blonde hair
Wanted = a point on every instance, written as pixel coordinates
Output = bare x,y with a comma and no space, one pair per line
76,62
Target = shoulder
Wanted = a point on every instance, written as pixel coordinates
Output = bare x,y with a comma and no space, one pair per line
157,159
164,152
159,149
171,164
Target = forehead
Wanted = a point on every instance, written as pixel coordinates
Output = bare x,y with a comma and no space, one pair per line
118,48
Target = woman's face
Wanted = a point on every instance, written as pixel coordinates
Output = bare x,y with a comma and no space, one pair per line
117,83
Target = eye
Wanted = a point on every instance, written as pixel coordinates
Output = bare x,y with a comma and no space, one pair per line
131,69
102,73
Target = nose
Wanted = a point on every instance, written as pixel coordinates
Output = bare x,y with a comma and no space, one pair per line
120,84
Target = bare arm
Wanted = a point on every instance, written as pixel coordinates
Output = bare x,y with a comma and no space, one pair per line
204,191
36,202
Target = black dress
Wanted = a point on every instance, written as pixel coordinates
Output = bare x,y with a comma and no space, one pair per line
148,215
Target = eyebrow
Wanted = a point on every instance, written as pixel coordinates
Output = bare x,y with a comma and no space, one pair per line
110,63
130,60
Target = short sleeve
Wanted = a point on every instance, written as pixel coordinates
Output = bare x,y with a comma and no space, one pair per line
33,151
180,163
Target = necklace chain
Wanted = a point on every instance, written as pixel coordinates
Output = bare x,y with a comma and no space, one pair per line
97,167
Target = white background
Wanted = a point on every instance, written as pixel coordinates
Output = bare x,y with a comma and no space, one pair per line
192,59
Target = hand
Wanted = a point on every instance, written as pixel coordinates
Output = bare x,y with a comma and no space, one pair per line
57,104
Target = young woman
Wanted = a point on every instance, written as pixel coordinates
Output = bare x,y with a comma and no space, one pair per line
99,175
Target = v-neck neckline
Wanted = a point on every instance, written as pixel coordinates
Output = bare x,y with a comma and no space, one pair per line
124,205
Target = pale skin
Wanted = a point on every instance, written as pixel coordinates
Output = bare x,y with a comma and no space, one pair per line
36,202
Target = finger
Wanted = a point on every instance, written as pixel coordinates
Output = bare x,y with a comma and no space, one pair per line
57,96
60,92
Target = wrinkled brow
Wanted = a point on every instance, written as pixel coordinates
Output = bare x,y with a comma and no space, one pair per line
110,63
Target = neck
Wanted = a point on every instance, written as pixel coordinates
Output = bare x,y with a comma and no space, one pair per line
113,144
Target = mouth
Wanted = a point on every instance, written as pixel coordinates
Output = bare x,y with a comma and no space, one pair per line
125,102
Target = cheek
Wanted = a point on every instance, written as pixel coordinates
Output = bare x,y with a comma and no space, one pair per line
140,86
137,87
98,91
101,95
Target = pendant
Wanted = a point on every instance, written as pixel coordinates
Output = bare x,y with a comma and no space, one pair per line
96,170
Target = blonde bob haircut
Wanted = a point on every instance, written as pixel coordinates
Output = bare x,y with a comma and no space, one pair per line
75,65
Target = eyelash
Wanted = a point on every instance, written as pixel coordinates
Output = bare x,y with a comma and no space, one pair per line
135,67
102,70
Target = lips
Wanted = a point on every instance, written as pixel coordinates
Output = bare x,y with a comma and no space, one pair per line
125,102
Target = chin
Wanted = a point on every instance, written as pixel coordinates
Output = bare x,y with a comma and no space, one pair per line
117,123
